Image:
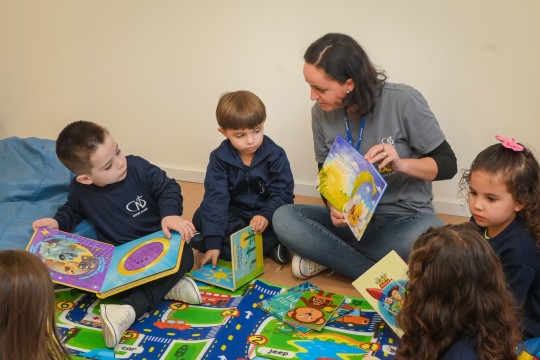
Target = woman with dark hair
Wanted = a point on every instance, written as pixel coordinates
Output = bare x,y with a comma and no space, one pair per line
392,125
458,304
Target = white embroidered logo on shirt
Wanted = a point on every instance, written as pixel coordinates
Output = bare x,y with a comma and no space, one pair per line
138,206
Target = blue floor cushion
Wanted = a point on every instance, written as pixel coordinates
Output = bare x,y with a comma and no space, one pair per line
33,184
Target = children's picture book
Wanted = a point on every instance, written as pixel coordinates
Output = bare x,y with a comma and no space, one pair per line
351,184
246,263
383,286
314,309
102,268
279,305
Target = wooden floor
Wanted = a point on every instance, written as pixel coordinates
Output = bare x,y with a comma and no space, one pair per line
281,274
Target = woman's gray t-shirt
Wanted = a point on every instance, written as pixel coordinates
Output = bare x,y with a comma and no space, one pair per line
402,119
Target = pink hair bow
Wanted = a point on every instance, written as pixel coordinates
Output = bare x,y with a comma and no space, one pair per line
509,143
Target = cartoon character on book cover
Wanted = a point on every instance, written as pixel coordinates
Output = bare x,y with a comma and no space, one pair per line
66,257
72,258
351,184
314,309
384,287
390,296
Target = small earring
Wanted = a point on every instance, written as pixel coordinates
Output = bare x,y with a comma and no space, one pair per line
348,91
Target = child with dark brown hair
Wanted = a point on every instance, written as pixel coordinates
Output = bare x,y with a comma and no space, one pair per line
458,305
27,320
503,192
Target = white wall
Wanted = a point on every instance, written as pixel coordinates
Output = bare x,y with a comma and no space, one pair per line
152,70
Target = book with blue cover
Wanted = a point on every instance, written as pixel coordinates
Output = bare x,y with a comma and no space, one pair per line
351,184
281,304
247,262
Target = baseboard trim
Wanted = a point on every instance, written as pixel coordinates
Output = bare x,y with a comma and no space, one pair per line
446,206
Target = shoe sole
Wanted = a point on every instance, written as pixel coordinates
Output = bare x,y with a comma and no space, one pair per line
105,329
296,264
194,285
279,258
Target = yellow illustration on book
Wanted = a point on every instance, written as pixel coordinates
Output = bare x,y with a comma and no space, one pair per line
219,275
351,184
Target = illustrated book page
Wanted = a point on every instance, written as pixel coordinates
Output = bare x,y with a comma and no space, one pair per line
314,309
246,263
103,268
351,184
383,286
278,305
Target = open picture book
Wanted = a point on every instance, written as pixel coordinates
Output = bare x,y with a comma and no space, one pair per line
289,304
246,263
313,309
351,184
103,268
383,286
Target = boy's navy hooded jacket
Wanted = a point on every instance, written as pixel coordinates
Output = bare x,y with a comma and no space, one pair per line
231,186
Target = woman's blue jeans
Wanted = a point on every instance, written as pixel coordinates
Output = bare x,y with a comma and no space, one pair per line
308,231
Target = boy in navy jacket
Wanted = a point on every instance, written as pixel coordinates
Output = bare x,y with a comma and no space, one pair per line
125,197
248,177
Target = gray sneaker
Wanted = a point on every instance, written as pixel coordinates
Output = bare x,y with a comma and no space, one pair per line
115,320
185,290
304,268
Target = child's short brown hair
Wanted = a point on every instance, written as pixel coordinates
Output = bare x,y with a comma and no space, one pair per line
240,110
77,142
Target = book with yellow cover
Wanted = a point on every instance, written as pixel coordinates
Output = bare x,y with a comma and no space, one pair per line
102,268
383,286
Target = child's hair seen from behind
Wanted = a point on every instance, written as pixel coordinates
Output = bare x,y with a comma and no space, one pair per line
520,171
456,289
27,316
77,142
240,110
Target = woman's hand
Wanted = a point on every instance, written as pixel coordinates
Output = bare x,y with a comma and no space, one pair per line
384,155
337,217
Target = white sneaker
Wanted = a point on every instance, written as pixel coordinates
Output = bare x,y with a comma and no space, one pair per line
115,320
304,268
185,290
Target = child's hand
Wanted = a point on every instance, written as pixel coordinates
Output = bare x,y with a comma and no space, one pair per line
45,222
211,255
175,222
258,223
337,217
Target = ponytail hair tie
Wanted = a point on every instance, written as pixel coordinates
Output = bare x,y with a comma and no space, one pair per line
509,143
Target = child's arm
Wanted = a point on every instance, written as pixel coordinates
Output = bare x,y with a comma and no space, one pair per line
211,255
168,194
175,222
259,223
280,187
45,222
